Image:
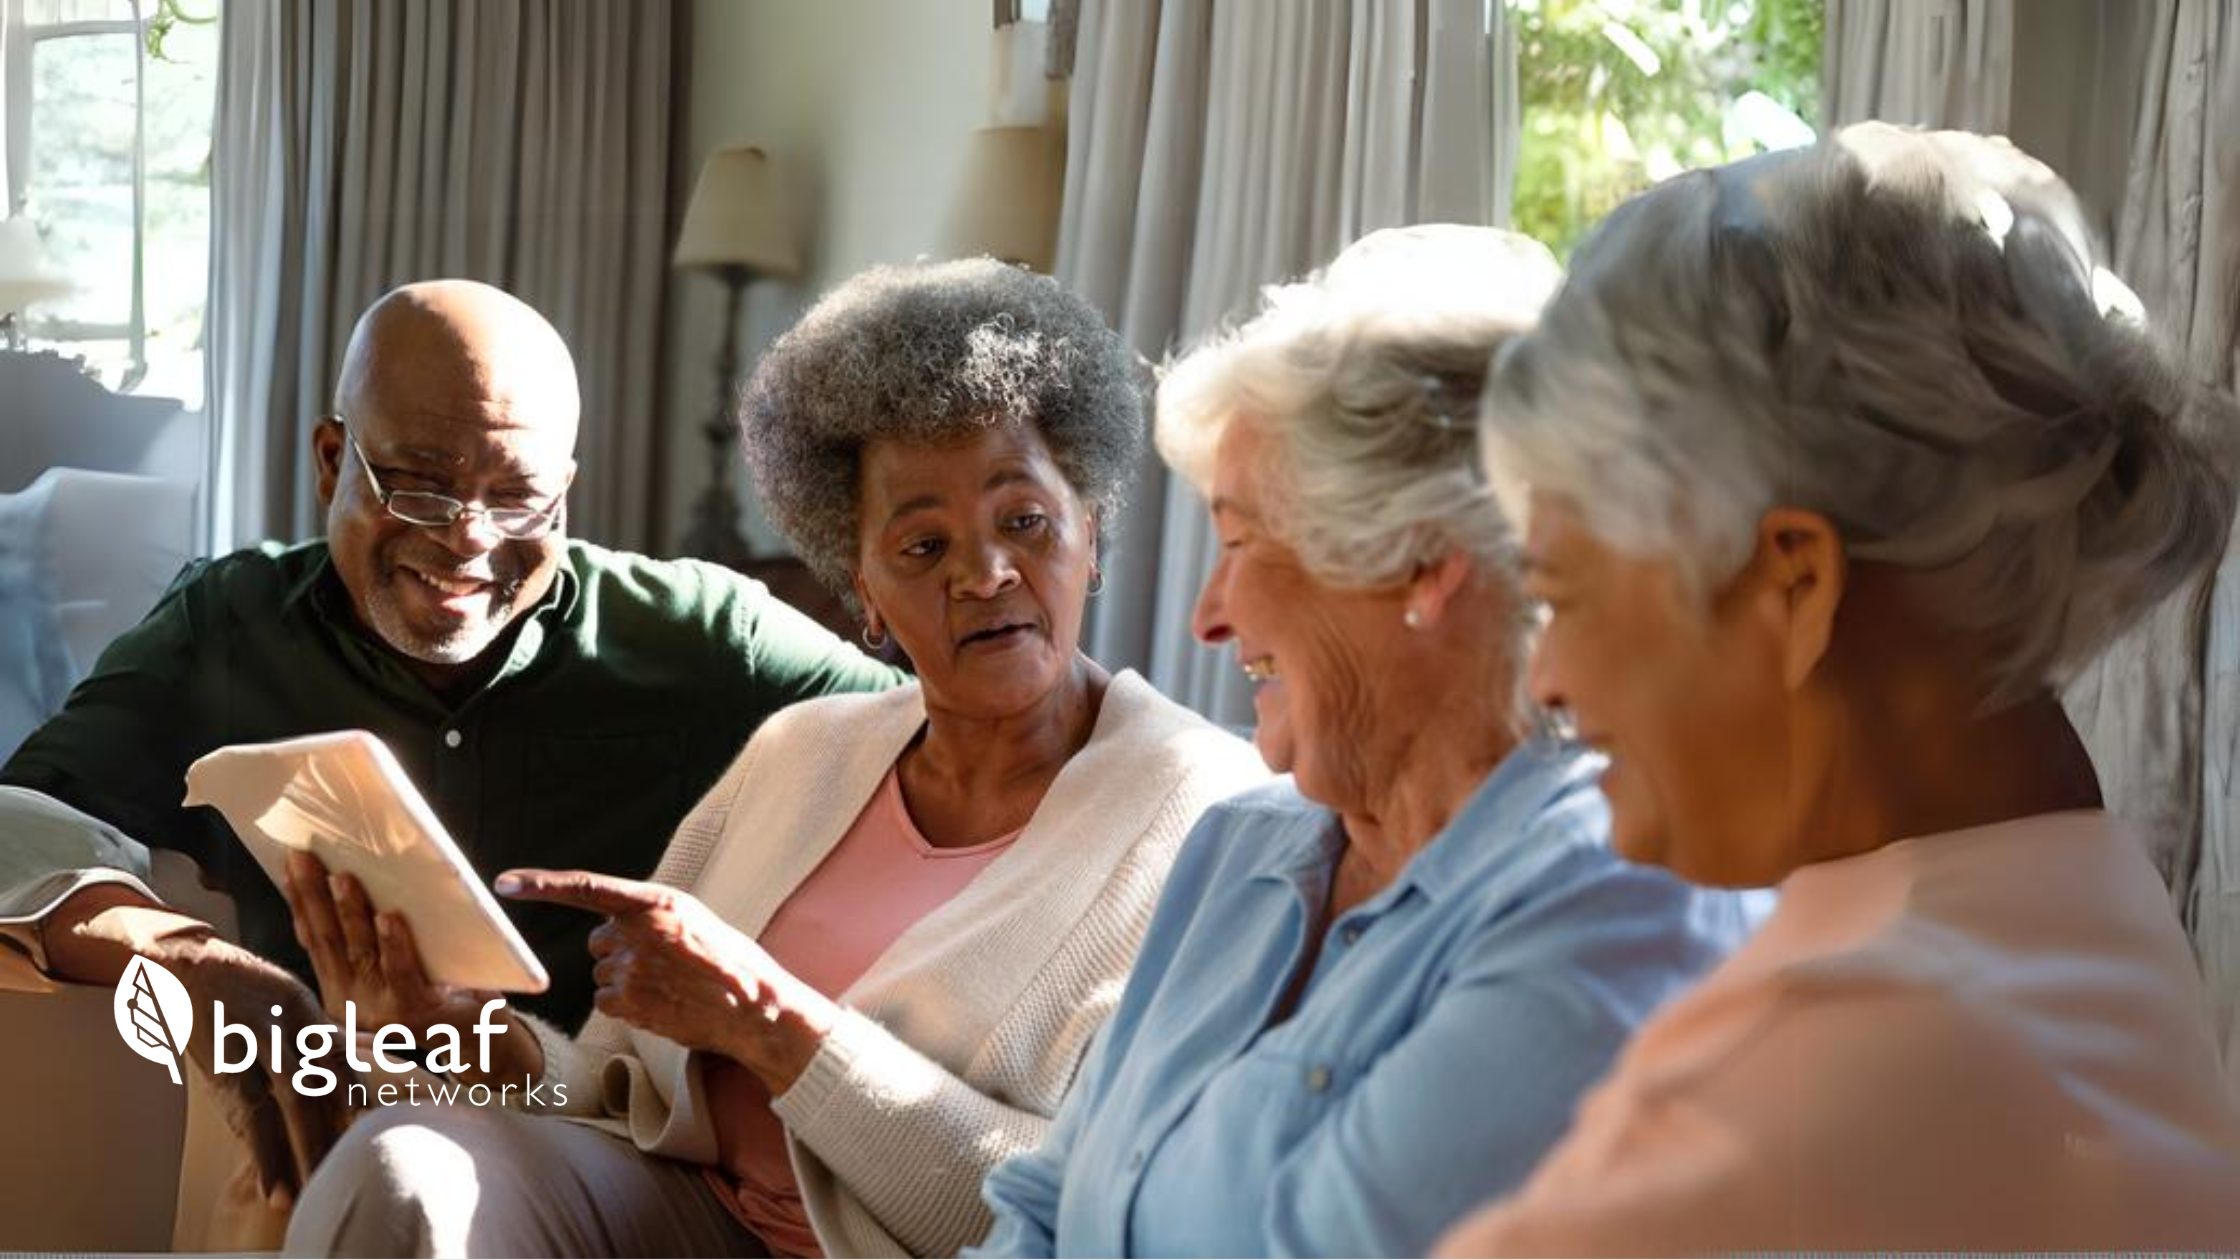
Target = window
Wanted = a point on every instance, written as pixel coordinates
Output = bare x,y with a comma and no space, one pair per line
1008,12
110,106
1618,94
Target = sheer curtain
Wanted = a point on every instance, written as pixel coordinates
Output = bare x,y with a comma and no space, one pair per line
1218,148
365,143
1936,63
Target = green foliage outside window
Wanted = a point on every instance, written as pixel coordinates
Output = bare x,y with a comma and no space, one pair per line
1618,94
168,15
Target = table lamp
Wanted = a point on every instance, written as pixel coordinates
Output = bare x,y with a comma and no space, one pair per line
1006,205
737,226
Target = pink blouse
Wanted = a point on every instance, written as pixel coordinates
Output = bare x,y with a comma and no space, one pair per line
882,877
1989,1040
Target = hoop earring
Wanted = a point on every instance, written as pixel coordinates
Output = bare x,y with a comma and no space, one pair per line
870,642
1096,582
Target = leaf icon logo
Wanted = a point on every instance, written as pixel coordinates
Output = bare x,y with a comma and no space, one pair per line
154,1014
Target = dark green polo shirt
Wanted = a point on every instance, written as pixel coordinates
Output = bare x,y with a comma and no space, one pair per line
625,694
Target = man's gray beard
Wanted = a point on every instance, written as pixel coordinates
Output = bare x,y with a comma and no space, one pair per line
468,643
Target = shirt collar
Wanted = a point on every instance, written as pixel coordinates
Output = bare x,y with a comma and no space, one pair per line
567,587
1493,827
1310,848
308,588
545,619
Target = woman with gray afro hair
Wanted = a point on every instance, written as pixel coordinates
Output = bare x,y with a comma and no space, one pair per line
931,355
1834,462
875,954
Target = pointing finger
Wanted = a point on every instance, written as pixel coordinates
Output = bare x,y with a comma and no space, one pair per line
585,890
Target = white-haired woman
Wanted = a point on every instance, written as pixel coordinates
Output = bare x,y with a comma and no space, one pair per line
1836,462
1371,994
874,955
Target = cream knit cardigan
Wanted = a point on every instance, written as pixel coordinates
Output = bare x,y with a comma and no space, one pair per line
955,1048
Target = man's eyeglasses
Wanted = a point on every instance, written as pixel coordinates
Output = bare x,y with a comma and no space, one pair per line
438,511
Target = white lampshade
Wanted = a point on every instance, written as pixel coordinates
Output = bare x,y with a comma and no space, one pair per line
27,275
739,216
1007,202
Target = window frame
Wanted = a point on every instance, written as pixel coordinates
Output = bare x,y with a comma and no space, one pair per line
21,111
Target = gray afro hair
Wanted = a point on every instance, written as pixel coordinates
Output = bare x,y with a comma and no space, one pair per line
934,354
1910,333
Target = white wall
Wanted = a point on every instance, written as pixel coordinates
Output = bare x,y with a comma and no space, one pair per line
868,104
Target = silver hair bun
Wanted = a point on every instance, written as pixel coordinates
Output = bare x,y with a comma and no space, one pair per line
1912,333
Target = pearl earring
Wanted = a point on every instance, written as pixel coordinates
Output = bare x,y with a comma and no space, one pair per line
1412,619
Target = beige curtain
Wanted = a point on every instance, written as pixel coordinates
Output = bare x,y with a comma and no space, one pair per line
1217,148
364,143
1935,63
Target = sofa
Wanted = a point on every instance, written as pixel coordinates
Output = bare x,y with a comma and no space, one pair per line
97,516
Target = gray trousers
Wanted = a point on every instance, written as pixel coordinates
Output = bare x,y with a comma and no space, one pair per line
484,1181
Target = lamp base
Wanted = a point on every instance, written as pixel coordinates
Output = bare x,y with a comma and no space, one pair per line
714,533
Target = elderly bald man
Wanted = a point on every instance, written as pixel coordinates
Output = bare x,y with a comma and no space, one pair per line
558,703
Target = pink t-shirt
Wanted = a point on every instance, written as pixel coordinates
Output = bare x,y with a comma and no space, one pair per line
881,878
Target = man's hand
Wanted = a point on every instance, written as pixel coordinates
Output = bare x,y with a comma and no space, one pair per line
669,965
369,957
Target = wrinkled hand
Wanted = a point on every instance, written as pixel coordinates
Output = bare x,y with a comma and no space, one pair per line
368,957
287,1132
671,966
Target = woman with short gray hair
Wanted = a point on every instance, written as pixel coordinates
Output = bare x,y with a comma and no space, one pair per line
1371,994
1835,464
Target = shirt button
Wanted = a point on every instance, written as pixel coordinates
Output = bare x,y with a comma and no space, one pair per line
1135,1162
1318,1078
1351,935
452,739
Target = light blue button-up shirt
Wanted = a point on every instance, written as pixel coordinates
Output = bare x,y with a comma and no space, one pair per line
1449,1026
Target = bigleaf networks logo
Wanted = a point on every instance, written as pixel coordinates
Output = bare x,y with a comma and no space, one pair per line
155,1016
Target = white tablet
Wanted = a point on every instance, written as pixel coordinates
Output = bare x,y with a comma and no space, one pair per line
342,798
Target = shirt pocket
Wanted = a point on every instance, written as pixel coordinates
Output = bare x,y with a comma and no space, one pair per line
1251,1117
